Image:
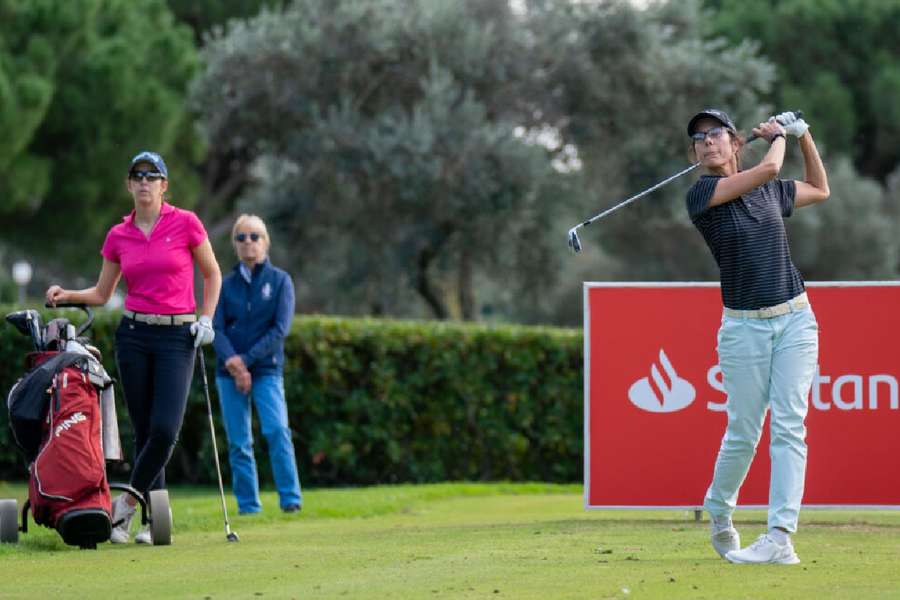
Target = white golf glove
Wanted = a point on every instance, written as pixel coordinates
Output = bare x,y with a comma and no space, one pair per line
792,124
202,331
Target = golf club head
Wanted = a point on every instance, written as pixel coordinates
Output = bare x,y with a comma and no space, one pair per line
28,322
20,320
232,537
56,333
37,330
574,242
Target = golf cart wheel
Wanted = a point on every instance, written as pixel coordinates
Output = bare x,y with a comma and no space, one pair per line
9,522
160,518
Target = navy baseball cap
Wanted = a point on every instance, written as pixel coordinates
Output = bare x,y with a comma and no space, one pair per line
711,113
154,159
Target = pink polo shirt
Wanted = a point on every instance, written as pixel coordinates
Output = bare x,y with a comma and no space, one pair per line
158,270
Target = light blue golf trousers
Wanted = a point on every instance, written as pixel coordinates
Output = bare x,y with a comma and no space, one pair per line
267,395
766,364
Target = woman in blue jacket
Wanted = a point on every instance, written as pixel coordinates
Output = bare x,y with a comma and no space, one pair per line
251,321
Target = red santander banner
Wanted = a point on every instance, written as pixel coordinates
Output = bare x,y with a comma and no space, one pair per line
655,404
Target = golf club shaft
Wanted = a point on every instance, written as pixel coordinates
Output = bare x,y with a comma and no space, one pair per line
212,431
575,243
639,195
648,190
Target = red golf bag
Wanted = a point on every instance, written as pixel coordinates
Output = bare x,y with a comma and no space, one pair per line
68,489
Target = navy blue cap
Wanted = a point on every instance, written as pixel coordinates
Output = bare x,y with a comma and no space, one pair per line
711,113
154,159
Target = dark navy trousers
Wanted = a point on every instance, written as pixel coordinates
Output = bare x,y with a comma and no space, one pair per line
155,365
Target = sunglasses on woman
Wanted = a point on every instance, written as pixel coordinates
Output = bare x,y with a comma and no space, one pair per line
712,133
242,237
148,175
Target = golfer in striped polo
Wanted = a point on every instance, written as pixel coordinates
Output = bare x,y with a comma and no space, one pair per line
768,341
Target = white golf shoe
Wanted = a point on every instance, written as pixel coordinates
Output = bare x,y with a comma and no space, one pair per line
121,511
765,550
725,539
143,537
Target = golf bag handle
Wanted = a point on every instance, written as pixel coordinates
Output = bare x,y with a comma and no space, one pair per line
87,309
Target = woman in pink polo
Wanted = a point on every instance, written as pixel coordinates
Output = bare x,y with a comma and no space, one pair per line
155,249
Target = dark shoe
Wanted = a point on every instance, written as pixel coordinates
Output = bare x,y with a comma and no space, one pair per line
293,508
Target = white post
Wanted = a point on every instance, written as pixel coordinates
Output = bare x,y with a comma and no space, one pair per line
21,274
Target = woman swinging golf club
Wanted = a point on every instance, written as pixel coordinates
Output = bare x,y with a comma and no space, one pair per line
155,248
768,341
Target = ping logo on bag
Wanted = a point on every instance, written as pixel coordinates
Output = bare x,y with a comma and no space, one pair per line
69,423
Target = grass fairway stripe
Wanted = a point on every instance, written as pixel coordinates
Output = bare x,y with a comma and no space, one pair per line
454,541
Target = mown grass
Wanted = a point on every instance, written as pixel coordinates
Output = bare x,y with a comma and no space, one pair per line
454,541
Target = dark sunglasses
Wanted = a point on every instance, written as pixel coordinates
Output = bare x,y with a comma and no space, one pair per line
242,237
713,133
148,175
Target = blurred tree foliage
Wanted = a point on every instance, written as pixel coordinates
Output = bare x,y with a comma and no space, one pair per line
410,146
205,15
382,133
84,85
663,65
426,157
838,60
628,81
853,235
29,62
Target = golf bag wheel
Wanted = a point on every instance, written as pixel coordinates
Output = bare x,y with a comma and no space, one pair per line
9,522
160,518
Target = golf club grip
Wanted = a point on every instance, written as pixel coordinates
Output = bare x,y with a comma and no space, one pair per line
65,305
796,113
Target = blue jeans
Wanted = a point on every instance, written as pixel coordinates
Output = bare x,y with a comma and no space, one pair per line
155,364
268,397
766,364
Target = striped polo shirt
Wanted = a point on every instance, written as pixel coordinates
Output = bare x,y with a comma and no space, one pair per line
747,238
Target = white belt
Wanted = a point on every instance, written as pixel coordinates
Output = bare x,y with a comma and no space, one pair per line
159,319
793,305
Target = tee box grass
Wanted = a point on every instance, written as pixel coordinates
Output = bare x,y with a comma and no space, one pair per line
455,540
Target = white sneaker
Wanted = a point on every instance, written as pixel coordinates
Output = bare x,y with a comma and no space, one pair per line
121,511
765,550
725,540
143,537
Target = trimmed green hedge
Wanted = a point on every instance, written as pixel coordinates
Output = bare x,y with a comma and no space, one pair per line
380,401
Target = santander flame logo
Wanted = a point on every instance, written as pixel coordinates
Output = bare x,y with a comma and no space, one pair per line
663,394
